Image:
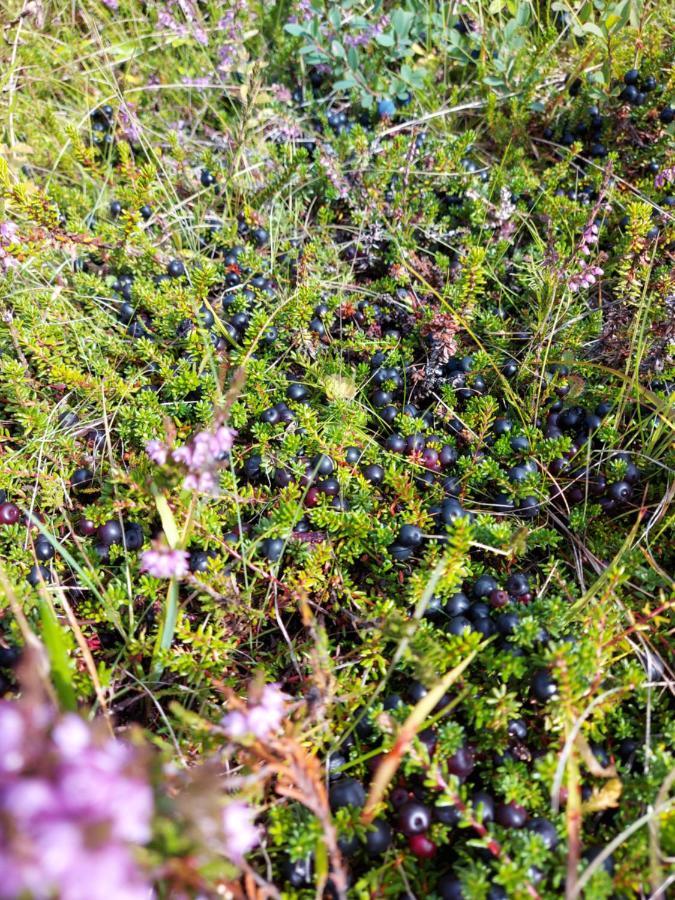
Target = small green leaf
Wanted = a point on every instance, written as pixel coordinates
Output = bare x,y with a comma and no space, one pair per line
168,521
592,28
523,13
338,50
386,39
345,84
401,21
57,645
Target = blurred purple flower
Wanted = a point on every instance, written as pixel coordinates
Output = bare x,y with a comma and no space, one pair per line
261,718
201,457
190,27
301,12
232,27
664,177
129,124
162,562
72,803
240,833
157,451
112,5
8,232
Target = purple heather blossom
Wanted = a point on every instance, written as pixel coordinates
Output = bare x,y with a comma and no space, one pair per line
163,562
231,34
588,237
201,457
364,37
129,124
302,11
8,231
199,82
112,5
584,279
664,177
281,93
157,451
239,832
190,27
204,448
72,805
261,718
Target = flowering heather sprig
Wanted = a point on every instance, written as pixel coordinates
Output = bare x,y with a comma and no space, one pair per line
280,93
113,5
129,124
332,171
584,279
239,832
190,27
157,451
301,12
8,231
664,177
201,457
231,34
261,717
589,237
163,562
72,804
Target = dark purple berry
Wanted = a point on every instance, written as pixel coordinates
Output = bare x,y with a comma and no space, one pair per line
543,686
461,763
378,839
110,533
347,792
546,831
414,818
510,815
9,513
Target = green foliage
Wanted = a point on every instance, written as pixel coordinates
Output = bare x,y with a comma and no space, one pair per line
450,231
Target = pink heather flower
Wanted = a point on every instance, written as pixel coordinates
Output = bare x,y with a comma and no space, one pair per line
199,82
239,832
261,718
129,124
281,93
201,457
585,278
11,741
72,805
187,10
589,236
8,232
162,562
201,482
157,451
664,177
112,5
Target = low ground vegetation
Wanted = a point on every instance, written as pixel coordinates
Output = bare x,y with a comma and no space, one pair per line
336,428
